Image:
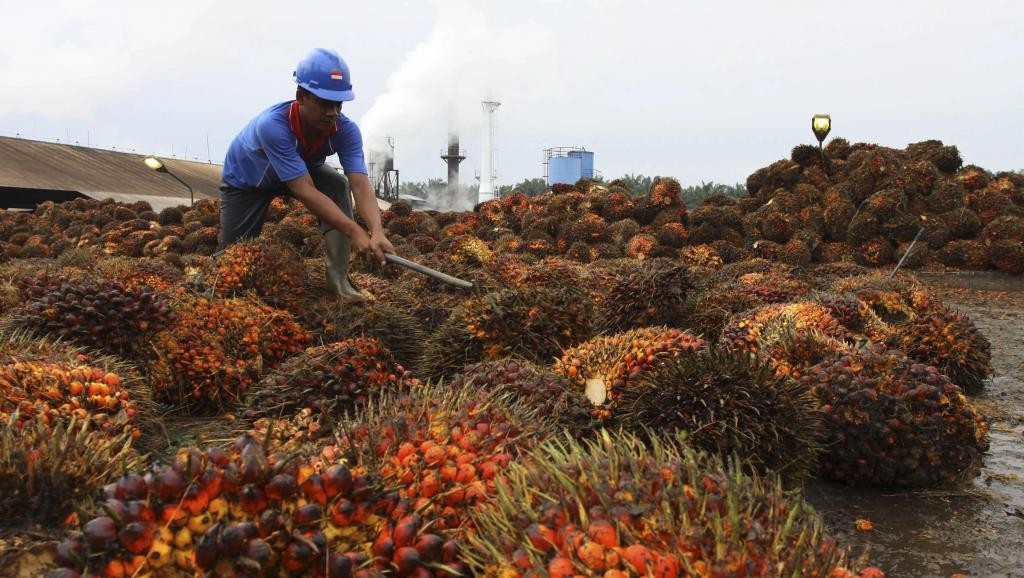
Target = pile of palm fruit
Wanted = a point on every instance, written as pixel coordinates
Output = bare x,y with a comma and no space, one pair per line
735,348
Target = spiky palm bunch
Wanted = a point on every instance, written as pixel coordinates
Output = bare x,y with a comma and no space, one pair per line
948,340
894,422
618,508
731,403
102,314
607,365
644,293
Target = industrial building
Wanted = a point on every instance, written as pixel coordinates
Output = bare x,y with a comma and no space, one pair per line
32,172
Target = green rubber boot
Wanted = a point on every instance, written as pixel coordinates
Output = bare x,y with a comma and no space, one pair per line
338,250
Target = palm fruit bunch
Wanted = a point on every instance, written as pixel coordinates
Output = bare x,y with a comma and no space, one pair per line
792,337
893,300
777,285
712,307
470,250
949,341
617,508
235,512
48,470
672,235
271,270
590,228
604,367
399,332
892,421
705,256
148,273
330,378
533,322
98,313
731,403
550,393
1007,256
217,348
641,246
618,206
968,254
991,201
876,252
442,447
644,293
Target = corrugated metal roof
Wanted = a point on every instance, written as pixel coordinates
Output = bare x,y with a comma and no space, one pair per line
101,173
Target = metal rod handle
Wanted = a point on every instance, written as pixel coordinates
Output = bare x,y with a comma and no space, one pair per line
433,273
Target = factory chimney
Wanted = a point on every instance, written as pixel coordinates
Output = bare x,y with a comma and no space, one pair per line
452,157
487,173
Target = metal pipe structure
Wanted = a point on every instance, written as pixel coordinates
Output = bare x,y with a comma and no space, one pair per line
487,172
453,157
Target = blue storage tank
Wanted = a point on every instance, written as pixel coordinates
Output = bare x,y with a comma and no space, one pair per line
569,166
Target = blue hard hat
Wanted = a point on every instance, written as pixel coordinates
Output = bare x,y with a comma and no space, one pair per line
325,74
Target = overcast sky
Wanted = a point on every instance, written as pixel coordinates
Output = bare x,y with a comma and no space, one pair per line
698,90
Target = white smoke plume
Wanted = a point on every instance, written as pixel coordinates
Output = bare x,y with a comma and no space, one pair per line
464,59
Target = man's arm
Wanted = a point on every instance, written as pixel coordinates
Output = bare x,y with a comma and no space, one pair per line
366,204
323,207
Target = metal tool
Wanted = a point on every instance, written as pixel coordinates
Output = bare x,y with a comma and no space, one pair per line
432,273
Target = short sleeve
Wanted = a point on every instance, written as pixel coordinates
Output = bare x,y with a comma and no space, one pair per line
349,144
278,142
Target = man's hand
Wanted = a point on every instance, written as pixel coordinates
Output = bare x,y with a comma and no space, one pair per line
360,241
378,245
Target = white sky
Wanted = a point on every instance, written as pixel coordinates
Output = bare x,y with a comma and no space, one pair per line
698,90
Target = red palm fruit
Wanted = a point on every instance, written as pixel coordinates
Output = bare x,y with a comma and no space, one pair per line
270,522
281,487
615,574
383,549
133,564
313,488
338,566
308,515
232,539
113,569
195,499
168,485
406,561
666,566
136,537
138,511
405,531
218,456
249,530
297,556
592,555
99,532
561,567
542,537
211,481
131,487
204,554
871,572
449,552
259,551
358,559
638,558
602,532
342,512
430,547
337,480
252,499
569,537
422,572
71,552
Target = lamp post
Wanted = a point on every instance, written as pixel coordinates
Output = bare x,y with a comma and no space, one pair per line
158,166
821,124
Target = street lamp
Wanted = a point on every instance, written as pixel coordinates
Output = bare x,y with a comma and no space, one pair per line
821,124
158,166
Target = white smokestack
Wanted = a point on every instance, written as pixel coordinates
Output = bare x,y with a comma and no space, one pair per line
487,170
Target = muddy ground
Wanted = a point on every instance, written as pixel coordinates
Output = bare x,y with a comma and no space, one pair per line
977,529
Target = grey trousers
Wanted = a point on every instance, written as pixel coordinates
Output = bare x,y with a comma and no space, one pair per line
243,211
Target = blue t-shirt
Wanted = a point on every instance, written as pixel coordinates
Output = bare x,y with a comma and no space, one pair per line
268,152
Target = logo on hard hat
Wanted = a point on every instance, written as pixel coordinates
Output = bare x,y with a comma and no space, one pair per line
336,75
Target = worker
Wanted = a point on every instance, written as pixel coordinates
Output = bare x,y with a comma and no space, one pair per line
283,152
